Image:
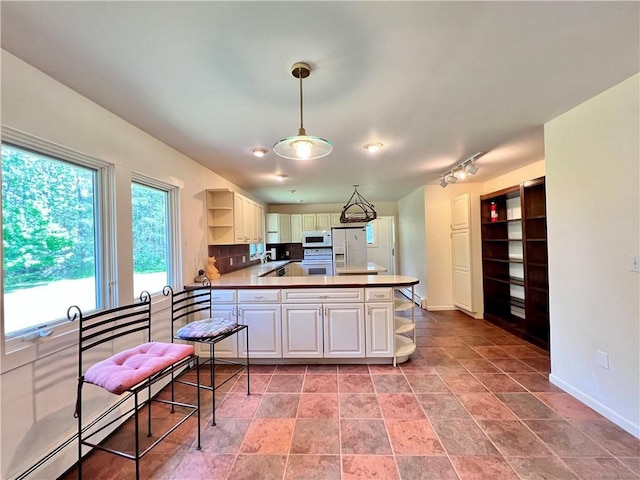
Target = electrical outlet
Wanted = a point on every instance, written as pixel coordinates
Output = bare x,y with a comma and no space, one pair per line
244,258
231,261
603,360
287,253
635,263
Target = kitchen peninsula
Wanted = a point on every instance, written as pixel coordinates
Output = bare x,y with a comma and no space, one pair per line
346,318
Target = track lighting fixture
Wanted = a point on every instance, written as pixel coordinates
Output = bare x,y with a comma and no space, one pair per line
464,168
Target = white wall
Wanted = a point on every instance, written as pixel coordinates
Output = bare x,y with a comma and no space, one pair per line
37,399
593,226
411,239
516,177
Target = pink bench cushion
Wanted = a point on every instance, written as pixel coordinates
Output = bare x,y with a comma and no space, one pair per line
123,370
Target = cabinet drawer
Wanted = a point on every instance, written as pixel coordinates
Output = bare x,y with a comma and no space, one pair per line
378,294
223,296
323,295
259,296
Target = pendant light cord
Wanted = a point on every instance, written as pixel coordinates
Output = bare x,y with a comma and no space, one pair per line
300,77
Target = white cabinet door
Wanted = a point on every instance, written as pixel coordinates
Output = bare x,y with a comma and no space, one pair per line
380,329
238,218
302,331
259,223
285,228
278,228
460,212
296,228
308,222
344,330
248,215
265,330
462,281
323,221
335,220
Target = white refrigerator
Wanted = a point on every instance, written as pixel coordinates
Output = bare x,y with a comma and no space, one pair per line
349,247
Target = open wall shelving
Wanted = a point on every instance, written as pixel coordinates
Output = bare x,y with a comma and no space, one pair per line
514,260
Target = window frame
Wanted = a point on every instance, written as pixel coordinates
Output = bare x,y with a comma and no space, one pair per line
174,234
374,233
53,336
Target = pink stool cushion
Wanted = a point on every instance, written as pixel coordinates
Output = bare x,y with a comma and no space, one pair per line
123,370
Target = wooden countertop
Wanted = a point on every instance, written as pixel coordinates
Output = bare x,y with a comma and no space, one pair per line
250,277
369,269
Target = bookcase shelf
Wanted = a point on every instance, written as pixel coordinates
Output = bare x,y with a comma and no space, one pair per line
514,260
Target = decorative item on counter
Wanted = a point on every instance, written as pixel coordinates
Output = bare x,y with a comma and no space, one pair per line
212,271
200,278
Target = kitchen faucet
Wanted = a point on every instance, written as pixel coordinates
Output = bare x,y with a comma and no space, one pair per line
265,257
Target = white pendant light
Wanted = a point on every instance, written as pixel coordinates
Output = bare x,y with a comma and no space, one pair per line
302,146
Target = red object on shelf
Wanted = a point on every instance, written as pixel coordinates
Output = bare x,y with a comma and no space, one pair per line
494,212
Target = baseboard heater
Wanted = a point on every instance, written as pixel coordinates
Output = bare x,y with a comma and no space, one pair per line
417,299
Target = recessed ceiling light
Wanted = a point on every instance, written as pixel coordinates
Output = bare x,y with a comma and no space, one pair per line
372,147
259,151
281,177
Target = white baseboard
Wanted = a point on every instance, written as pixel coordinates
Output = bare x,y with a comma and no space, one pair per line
624,423
440,308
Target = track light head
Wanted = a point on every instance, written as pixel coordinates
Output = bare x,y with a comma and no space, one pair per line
443,183
451,178
470,168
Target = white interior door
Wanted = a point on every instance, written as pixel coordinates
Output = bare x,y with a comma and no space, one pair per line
382,250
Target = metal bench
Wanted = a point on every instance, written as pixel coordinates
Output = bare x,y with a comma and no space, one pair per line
129,373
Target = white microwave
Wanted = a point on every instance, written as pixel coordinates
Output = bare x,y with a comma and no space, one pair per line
316,238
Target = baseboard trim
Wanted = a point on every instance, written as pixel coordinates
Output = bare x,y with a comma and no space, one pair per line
440,308
625,424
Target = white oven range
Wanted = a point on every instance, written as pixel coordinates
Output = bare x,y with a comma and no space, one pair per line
317,261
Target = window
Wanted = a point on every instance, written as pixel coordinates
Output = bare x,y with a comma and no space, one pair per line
256,249
154,233
372,234
52,253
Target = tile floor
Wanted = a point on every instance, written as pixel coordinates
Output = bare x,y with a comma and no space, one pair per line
472,403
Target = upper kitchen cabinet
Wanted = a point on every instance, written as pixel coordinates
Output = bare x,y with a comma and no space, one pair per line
296,228
233,218
316,221
278,228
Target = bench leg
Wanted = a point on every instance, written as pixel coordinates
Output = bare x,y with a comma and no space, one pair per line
198,399
212,352
246,330
136,433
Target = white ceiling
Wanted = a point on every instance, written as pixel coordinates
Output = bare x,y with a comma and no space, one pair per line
435,82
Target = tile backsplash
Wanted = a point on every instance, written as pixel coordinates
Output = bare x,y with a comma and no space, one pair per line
231,257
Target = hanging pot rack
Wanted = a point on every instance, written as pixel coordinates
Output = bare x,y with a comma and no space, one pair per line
357,209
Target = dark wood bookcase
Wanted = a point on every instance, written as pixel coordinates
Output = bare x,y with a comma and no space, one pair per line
514,260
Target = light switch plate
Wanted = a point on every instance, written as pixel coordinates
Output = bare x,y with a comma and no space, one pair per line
635,263
603,360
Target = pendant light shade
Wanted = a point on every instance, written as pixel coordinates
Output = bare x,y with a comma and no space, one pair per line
302,146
